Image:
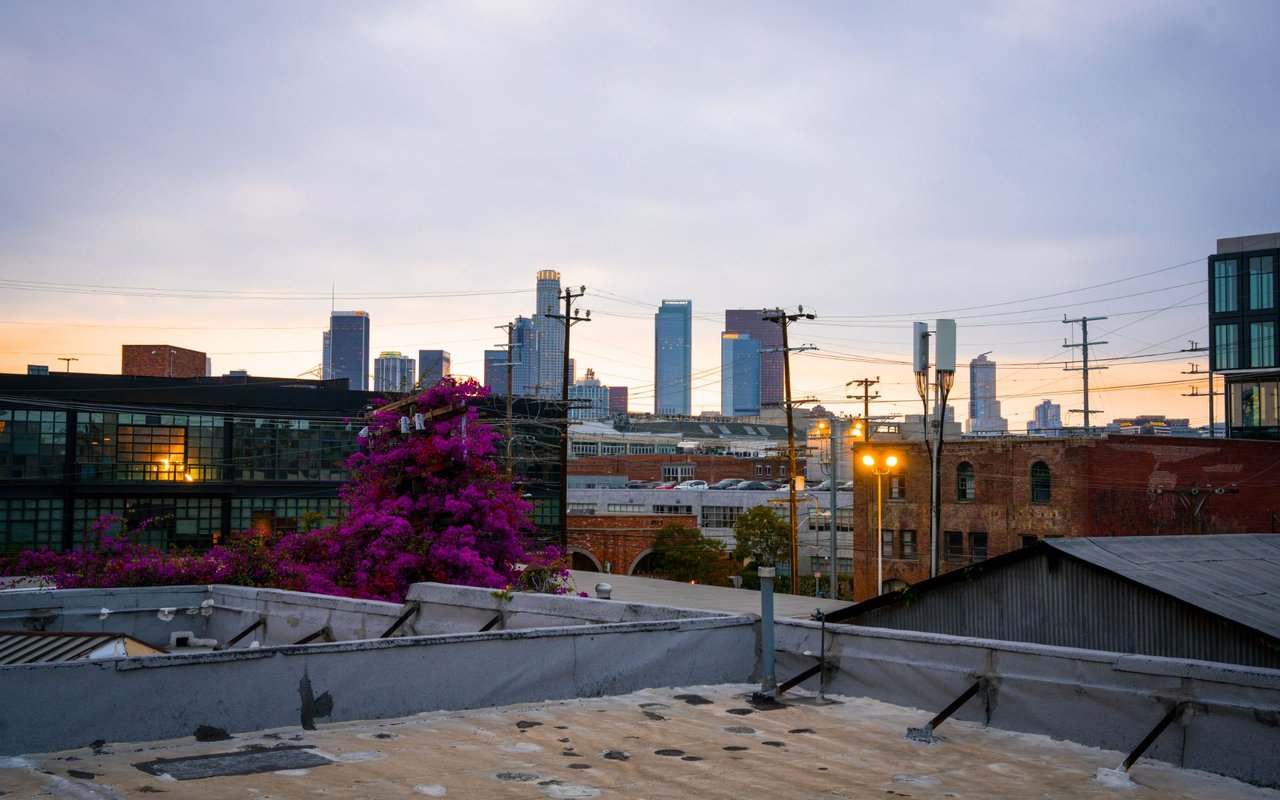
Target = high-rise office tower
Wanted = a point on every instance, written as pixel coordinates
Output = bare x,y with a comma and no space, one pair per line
769,336
346,347
495,371
618,399
984,408
524,357
739,375
432,366
672,357
548,337
592,398
392,372
1047,417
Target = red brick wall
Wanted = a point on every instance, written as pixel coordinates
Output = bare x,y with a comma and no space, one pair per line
705,467
154,360
620,539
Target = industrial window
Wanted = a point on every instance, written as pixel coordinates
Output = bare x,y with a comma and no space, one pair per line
1040,484
953,546
28,524
1027,540
759,470
965,489
622,508
1262,283
579,508
1262,344
908,544
688,510
32,443
886,544
720,516
897,487
977,547
677,472
584,448
612,449
1224,286
1226,353
640,449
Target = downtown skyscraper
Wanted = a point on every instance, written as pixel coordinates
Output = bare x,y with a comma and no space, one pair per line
751,322
739,375
548,339
346,349
984,408
672,357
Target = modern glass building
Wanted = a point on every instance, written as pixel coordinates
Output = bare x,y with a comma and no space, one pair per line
547,345
1243,318
672,357
433,365
984,408
739,375
346,348
751,322
393,372
590,398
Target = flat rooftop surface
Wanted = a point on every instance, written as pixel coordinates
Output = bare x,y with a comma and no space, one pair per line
653,591
703,742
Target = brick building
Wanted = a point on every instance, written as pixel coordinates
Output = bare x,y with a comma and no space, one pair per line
162,361
1000,495
618,541
682,466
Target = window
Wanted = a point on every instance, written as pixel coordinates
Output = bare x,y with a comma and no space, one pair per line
886,544
908,543
1262,283
965,481
1262,344
897,487
688,510
612,449
32,443
677,472
1224,286
640,449
584,448
977,547
621,508
953,546
27,524
1027,540
719,516
1226,340
582,508
759,470
1040,484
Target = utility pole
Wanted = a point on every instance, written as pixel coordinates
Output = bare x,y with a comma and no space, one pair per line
944,374
1084,364
68,359
510,328
784,319
866,384
1196,348
568,320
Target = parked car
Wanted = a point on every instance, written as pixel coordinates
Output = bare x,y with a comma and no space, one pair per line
667,485
691,484
847,486
759,486
825,486
640,484
727,483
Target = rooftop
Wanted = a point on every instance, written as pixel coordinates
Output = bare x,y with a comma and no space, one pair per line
701,741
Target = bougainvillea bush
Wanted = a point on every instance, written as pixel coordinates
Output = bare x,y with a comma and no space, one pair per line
424,505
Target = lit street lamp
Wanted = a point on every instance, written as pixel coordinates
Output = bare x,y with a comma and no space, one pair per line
880,467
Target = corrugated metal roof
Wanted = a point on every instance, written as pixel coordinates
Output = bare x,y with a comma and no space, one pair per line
1236,576
42,647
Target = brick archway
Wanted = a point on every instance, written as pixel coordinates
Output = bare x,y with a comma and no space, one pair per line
583,560
631,570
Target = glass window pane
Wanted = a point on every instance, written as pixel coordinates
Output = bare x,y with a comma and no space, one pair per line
1262,287
1224,286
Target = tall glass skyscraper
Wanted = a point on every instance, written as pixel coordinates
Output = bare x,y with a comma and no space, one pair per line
392,372
984,408
739,375
769,336
548,344
672,357
346,348
433,365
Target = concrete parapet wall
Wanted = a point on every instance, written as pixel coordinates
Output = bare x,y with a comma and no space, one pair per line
1106,700
621,648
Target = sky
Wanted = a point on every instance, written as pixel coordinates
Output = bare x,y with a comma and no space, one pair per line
218,176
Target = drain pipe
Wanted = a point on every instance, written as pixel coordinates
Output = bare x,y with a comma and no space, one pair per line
768,679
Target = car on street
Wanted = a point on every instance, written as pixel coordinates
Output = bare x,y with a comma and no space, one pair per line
691,484
727,483
747,486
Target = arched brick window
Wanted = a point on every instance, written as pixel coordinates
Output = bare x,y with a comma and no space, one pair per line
965,484
1041,484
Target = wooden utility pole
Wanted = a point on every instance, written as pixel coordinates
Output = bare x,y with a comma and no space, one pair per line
510,328
866,398
568,319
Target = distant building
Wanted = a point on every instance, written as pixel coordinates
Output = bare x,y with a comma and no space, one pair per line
524,358
672,357
162,361
346,349
751,322
1243,316
1047,419
618,399
984,408
393,372
433,365
739,375
37,369
495,371
589,398
1151,425
548,337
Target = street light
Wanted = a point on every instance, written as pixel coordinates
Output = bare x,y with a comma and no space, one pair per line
880,467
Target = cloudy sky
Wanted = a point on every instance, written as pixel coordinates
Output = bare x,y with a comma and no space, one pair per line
215,175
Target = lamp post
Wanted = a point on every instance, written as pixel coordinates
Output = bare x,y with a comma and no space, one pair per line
881,467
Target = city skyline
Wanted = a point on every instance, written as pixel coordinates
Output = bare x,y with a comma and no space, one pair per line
1003,166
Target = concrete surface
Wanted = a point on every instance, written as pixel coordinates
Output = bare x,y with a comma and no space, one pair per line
633,589
699,741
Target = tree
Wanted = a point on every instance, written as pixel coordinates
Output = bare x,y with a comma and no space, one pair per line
684,554
762,536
